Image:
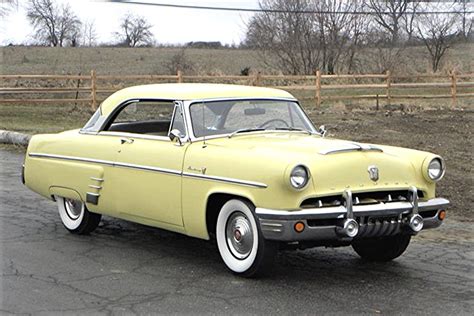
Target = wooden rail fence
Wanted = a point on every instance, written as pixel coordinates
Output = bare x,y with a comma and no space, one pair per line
321,87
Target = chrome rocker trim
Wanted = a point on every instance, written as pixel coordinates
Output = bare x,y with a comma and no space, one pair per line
395,217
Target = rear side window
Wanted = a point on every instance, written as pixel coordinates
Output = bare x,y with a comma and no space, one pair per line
144,117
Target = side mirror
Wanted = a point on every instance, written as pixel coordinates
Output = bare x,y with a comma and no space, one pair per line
322,130
175,136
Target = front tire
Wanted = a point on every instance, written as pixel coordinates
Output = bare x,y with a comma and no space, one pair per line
240,241
75,216
382,249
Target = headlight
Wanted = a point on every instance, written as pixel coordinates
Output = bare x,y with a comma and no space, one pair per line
299,177
436,169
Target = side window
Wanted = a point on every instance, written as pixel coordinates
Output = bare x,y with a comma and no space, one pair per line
144,117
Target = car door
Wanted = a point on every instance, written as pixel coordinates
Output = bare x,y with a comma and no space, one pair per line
148,166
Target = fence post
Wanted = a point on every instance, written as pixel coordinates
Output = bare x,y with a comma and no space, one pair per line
453,88
93,90
257,79
318,89
389,84
180,76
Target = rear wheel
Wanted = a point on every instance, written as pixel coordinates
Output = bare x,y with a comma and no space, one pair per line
383,248
240,241
75,216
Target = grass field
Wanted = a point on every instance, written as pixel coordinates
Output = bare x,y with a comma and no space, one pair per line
49,60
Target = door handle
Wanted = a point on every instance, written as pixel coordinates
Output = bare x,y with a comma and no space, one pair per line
126,141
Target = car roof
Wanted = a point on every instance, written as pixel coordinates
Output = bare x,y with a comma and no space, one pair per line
189,91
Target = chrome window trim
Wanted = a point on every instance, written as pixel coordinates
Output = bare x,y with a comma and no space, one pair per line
151,168
133,135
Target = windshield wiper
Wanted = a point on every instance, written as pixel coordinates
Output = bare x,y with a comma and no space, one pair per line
247,130
289,128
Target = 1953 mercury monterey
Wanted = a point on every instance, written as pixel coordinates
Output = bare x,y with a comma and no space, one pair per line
242,164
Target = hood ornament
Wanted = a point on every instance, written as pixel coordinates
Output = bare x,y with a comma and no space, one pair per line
373,172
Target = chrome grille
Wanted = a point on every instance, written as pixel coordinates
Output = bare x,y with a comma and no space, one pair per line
363,198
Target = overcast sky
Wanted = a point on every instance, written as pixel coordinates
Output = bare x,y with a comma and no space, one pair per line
170,25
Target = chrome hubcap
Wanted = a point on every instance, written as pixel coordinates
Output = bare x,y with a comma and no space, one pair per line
239,235
73,208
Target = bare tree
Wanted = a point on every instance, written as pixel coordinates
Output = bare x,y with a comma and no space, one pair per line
437,31
467,19
134,31
54,25
89,34
339,33
286,40
6,6
291,38
388,14
301,43
409,19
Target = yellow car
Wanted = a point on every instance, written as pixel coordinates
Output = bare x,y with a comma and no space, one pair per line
242,164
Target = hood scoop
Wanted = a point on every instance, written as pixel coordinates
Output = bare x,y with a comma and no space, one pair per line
348,147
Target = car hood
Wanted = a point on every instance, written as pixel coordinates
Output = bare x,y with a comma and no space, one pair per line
335,165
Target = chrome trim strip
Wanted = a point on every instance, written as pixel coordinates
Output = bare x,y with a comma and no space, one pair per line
99,161
95,187
97,179
147,168
337,211
150,168
227,180
350,147
93,194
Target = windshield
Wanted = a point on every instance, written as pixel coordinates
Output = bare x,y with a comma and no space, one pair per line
227,117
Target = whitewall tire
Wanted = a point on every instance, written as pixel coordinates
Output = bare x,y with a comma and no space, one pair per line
239,239
75,216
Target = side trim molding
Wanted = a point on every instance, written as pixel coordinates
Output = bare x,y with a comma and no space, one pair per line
227,180
151,168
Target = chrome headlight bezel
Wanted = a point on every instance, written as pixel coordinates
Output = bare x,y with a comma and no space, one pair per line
294,183
427,166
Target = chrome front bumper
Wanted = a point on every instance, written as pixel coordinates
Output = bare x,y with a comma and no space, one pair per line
373,220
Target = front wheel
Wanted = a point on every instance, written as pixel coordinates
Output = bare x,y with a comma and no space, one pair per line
383,248
75,216
240,241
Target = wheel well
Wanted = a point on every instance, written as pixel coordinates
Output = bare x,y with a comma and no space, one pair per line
214,205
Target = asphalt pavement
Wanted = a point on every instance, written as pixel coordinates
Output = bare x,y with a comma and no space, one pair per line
126,268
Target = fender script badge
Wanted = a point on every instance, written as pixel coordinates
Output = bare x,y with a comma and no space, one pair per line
200,170
373,173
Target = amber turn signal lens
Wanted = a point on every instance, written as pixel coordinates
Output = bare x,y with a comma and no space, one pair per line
442,215
299,227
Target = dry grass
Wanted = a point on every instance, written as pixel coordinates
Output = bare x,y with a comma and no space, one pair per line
47,60
50,60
